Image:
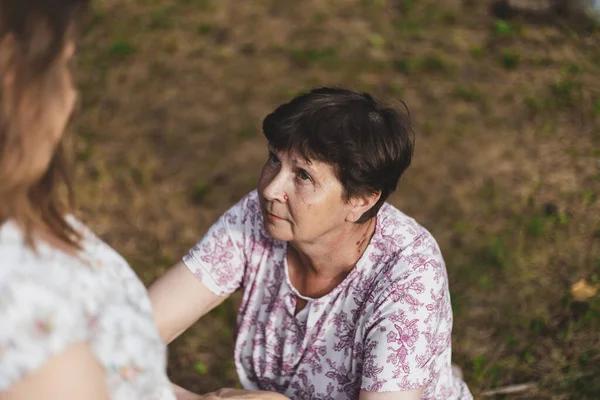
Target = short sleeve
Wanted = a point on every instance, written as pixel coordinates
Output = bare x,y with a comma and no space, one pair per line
36,323
411,326
218,260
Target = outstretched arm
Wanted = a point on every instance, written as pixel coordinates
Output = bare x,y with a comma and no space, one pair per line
178,300
232,394
404,395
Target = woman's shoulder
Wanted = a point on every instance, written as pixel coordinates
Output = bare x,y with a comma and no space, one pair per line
245,217
400,232
64,275
408,251
44,265
248,205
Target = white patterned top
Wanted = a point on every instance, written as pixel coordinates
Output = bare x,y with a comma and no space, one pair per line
387,327
51,300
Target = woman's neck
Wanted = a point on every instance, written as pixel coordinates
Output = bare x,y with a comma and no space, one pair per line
335,254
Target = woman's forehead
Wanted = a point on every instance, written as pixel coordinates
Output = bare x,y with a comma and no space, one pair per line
295,156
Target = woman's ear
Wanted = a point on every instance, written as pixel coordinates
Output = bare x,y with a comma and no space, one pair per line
361,204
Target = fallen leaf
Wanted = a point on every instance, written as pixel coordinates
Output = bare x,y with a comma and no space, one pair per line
583,291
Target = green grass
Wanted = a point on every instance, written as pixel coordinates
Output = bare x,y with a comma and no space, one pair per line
201,368
162,18
205,29
510,59
404,66
468,94
309,56
532,104
504,29
200,192
477,52
406,6
395,89
201,4
596,106
247,131
121,48
565,94
407,28
434,63
571,70
376,40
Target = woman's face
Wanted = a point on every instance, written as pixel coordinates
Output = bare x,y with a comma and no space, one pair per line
62,99
41,107
301,200
47,104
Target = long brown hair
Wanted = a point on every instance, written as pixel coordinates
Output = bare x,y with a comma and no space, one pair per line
34,170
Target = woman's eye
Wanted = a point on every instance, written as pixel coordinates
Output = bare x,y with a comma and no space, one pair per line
273,158
304,175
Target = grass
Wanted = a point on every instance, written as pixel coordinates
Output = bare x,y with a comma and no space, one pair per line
596,106
205,29
432,63
310,56
505,175
162,18
477,51
200,192
408,28
247,131
504,29
510,59
201,368
376,40
468,94
565,94
121,48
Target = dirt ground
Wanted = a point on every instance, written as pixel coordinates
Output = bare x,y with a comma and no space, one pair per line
506,173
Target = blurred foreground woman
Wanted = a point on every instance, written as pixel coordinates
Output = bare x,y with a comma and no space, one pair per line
75,321
344,296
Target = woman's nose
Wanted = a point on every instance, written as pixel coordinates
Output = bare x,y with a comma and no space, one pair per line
275,188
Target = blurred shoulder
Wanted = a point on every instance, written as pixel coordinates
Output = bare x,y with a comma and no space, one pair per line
47,266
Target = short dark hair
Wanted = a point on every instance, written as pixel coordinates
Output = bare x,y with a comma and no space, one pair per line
369,145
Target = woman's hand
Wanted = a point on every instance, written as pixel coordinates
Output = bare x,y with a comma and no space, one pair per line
239,394
242,394
183,394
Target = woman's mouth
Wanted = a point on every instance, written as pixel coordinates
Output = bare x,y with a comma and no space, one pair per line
273,217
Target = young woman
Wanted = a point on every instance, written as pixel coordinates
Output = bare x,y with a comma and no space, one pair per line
75,321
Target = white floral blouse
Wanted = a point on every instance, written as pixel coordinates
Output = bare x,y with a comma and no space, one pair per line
50,300
387,327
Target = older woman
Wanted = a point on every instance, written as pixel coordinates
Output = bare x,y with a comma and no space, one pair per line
344,296
75,321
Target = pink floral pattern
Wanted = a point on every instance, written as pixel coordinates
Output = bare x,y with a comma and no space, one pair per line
386,327
50,300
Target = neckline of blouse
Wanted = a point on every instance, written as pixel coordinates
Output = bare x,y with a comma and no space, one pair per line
358,268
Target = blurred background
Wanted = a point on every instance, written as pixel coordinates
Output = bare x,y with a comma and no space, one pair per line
505,99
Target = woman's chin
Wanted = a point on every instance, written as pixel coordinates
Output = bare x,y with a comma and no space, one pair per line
276,232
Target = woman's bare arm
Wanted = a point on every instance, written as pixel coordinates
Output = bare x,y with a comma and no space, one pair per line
179,299
404,395
71,375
